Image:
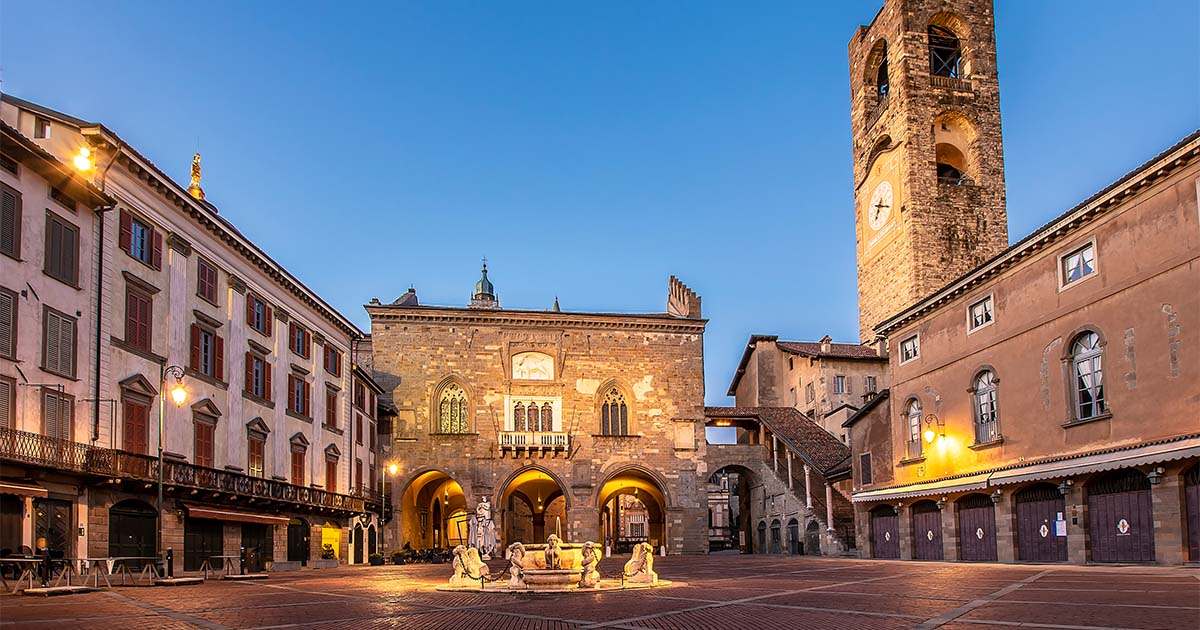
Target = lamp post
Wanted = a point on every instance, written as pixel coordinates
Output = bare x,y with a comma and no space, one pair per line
178,397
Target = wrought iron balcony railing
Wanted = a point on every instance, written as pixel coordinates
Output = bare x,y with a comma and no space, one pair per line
535,440
48,452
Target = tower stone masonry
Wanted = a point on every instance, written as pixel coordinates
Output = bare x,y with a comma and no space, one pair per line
928,157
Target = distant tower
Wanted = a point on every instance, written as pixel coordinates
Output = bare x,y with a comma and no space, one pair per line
485,293
928,159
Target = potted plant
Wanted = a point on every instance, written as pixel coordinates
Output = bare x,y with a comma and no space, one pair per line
376,559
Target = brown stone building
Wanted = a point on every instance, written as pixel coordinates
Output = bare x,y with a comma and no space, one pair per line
928,158
826,381
550,415
1045,406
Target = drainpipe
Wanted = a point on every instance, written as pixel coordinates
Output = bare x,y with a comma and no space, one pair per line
100,212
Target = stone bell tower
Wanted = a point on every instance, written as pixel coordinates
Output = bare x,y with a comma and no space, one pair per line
928,158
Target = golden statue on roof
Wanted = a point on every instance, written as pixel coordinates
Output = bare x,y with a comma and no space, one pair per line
194,188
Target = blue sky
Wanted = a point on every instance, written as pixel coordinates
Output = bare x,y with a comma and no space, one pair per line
588,150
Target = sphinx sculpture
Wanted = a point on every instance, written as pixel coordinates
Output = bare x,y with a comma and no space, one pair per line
589,576
469,569
640,568
516,568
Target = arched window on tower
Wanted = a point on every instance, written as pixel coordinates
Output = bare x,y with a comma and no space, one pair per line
519,418
882,84
1088,376
945,53
452,410
614,414
547,417
533,419
951,164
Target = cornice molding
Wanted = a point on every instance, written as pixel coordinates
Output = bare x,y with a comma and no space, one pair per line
516,319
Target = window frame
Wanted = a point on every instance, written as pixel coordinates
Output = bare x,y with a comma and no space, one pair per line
255,438
956,71
1061,271
990,301
62,399
299,340
299,402
255,382
41,128
72,278
136,245
266,326
841,384
298,465
1095,357
870,384
9,420
977,405
47,312
201,264
13,324
336,354
133,339
916,339
130,401
463,403
18,206
865,477
909,416
206,425
331,408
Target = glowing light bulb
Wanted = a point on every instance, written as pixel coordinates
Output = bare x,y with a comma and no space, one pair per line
929,435
178,394
83,159
393,468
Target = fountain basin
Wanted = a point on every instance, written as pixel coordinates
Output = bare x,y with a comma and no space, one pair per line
551,580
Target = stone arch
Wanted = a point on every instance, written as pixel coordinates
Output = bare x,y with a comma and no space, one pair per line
740,532
956,144
961,29
876,57
515,486
435,396
613,471
421,516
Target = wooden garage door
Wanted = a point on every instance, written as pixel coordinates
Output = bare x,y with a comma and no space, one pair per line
1120,522
1038,507
885,533
1191,490
977,528
927,531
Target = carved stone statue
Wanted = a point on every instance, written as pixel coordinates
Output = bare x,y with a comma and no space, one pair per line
482,529
194,188
590,577
469,570
640,568
516,569
553,552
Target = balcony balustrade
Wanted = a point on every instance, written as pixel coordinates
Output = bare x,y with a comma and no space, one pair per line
535,441
40,450
950,83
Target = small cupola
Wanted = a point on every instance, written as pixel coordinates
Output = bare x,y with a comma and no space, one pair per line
485,292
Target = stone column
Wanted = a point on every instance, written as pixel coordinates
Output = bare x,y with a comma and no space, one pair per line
949,531
1077,536
808,487
1005,530
791,484
904,531
1166,509
775,454
828,506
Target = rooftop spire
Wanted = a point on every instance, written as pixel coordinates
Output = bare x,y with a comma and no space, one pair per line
194,188
485,292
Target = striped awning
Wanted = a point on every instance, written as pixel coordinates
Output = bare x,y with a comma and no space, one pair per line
22,489
1140,456
237,516
958,484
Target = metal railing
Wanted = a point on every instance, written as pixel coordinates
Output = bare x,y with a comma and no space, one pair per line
49,452
952,83
535,440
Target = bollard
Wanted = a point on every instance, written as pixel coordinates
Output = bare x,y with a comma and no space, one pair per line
242,559
170,562
45,567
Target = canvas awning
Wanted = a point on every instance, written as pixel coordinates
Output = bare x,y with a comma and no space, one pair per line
237,516
22,489
958,484
1140,456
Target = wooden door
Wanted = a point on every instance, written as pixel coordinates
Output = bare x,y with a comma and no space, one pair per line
357,540
977,528
202,539
885,533
132,527
1038,508
298,534
1191,493
927,531
812,539
1120,521
258,540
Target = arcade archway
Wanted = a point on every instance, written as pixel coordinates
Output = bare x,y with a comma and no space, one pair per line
533,507
729,505
433,512
632,510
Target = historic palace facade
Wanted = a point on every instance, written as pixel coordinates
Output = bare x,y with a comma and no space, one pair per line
590,425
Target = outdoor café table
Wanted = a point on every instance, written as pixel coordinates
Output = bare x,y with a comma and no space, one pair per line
120,564
226,564
29,568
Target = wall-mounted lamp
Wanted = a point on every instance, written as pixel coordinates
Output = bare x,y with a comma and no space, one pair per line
941,503
1155,476
83,159
934,428
1064,487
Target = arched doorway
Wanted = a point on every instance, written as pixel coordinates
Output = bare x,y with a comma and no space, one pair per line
1191,499
632,510
729,503
812,538
131,530
433,512
372,541
299,536
795,546
356,540
885,533
927,531
1038,508
1120,522
776,537
976,528
762,536
532,506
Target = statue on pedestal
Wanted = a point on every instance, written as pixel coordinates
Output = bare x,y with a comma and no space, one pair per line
553,552
640,568
590,577
482,529
516,568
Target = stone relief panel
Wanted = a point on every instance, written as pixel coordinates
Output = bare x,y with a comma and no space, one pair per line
532,366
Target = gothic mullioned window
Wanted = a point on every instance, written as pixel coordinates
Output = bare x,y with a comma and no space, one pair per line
614,414
452,410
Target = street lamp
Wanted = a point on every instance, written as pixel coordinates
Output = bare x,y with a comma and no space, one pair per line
178,395
390,469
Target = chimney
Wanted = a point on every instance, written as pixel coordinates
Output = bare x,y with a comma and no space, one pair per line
881,346
682,301
826,344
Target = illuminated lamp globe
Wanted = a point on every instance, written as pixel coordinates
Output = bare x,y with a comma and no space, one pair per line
178,394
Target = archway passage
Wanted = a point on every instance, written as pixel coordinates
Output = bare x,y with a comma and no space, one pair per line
533,507
1120,519
433,510
795,546
131,530
632,510
730,524
356,541
1039,508
812,538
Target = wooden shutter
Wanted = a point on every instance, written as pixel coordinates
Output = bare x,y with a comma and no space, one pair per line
8,324
70,254
291,392
50,345
156,250
66,342
10,221
218,358
126,237
195,352
249,384
268,319
250,310
307,399
267,380
6,403
49,414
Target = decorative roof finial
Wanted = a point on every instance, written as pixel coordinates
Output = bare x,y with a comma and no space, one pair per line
556,309
194,188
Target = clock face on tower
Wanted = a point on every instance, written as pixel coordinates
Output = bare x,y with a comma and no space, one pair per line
880,207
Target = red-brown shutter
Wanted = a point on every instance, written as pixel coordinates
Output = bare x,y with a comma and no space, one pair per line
126,237
156,251
144,320
249,386
307,399
291,392
219,358
195,354
267,381
269,317
291,341
250,309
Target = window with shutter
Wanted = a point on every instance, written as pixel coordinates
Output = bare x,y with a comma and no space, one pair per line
258,377
203,431
331,404
137,415
139,240
358,474
10,221
298,467
206,280
8,324
255,462
58,343
8,402
62,249
333,361
331,475
137,318
58,414
358,428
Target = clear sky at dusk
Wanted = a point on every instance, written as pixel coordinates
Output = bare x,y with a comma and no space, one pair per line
588,150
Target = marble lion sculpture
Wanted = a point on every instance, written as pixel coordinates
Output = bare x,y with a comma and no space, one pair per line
469,569
640,568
